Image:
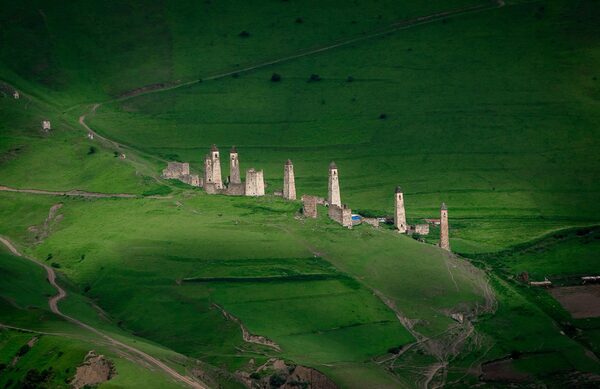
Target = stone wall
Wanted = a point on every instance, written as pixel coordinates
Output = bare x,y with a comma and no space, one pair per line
255,183
309,206
422,229
372,221
235,189
342,215
176,170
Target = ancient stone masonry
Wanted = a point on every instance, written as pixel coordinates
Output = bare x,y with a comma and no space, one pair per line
235,186
333,193
16,95
46,126
342,215
422,229
444,238
289,183
181,171
255,184
373,221
400,213
309,206
216,167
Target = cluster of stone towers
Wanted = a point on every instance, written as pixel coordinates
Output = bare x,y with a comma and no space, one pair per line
213,180
402,227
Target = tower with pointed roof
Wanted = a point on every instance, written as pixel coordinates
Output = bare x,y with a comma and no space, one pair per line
400,213
216,167
289,182
444,237
234,167
333,193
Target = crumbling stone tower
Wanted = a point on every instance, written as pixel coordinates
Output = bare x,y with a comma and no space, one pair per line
400,213
289,183
444,238
216,167
208,176
333,194
255,183
234,167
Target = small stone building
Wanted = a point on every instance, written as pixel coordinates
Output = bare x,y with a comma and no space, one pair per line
342,215
176,170
46,126
309,206
422,229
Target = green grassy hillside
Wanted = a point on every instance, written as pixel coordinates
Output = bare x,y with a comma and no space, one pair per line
492,112
492,109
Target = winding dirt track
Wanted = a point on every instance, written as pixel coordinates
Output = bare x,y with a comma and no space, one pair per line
53,303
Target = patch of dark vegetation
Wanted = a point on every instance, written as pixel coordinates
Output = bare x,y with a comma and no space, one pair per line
91,150
349,79
11,153
383,116
55,265
244,34
161,190
314,78
275,77
284,278
49,257
299,21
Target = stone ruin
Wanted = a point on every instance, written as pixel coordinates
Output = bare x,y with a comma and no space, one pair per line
16,95
46,126
255,183
181,171
309,206
90,135
444,237
289,182
342,215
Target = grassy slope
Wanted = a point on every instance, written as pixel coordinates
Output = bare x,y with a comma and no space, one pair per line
501,128
24,296
90,50
129,256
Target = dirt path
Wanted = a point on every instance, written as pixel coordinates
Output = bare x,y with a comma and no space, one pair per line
81,193
53,303
398,26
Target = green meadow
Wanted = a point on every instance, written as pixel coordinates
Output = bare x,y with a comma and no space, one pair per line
492,109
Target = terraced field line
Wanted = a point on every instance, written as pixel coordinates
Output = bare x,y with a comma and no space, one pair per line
53,303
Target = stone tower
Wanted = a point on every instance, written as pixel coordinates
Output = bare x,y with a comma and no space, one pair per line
216,167
255,183
289,183
444,238
234,167
333,194
208,177
400,213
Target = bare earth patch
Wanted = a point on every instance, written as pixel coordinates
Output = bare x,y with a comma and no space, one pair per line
581,301
502,371
94,370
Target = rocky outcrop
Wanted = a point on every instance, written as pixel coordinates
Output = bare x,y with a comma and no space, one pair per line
94,370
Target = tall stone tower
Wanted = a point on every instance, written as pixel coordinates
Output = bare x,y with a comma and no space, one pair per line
400,213
255,183
289,182
208,177
216,167
333,194
234,167
444,238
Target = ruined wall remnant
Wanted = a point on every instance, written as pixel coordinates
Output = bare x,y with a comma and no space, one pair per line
176,170
373,221
255,184
289,182
444,238
333,193
309,206
400,213
342,215
422,229
16,95
181,171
